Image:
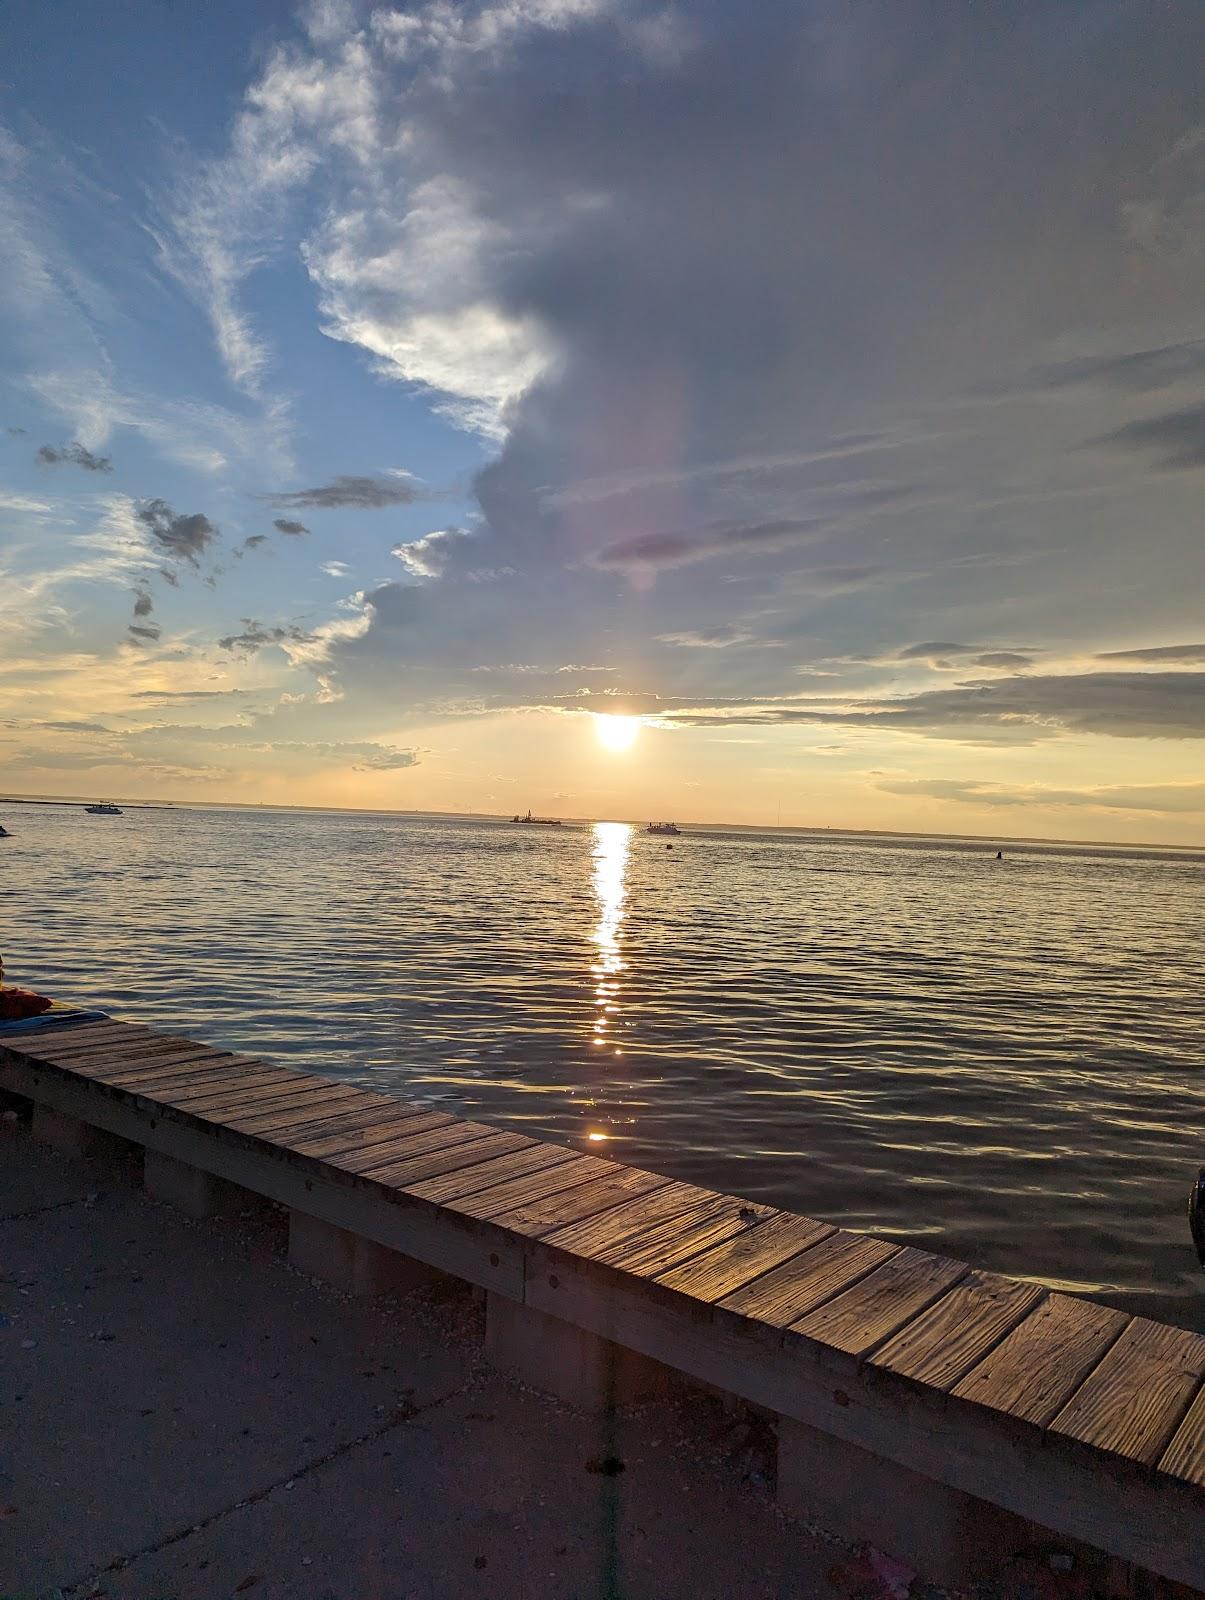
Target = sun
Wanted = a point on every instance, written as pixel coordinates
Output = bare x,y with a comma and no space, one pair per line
616,733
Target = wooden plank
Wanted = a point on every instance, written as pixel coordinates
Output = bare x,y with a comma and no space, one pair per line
105,1068
1042,1362
501,1197
40,1044
436,1162
882,1303
1133,1401
585,1200
490,1173
377,1129
81,1051
735,1262
679,1238
957,1331
368,1113
406,1144
801,1285
99,1062
1185,1455
207,1084
273,1084
289,1112
601,1235
129,1072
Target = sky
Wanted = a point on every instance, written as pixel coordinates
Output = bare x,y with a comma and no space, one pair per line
387,394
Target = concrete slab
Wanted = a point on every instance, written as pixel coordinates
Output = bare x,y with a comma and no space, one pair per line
154,1368
182,1414
496,1493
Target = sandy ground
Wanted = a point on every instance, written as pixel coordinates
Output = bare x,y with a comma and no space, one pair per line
185,1417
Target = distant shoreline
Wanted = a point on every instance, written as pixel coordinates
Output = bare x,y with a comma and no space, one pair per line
996,840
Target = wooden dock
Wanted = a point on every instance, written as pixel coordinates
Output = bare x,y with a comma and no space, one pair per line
917,1398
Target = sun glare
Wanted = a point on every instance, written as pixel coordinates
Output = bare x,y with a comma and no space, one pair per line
616,733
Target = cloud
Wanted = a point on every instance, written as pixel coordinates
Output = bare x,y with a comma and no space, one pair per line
1132,371
143,633
429,556
721,637
284,525
1165,654
184,537
185,696
256,635
335,569
15,433
77,455
1168,798
253,542
1175,441
365,756
355,493
953,657
1016,710
663,550
143,604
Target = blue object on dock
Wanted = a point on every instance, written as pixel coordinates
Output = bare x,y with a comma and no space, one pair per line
50,1018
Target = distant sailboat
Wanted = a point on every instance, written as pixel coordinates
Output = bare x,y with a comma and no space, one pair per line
104,809
539,822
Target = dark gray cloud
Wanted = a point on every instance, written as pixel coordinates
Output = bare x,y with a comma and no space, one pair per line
256,635
1167,654
140,632
1167,798
1132,372
143,604
1175,441
184,537
15,433
349,492
957,657
681,548
184,696
284,525
1134,705
76,455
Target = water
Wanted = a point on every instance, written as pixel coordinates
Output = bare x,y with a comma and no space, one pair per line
1002,1061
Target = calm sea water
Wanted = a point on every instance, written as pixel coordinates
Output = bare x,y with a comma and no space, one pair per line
999,1060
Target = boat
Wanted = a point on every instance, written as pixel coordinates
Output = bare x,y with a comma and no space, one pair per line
4,833
539,822
663,827
105,809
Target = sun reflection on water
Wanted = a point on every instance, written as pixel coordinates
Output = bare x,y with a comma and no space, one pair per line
612,844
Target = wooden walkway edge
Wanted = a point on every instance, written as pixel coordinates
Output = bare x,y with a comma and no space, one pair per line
1074,1416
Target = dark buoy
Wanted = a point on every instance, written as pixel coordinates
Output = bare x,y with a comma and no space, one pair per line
669,847
999,855
1196,1215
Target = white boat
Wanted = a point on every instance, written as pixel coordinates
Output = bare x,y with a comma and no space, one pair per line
105,809
663,827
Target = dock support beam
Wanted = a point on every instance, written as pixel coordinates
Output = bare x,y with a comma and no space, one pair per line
353,1264
948,1537
191,1189
73,1137
585,1371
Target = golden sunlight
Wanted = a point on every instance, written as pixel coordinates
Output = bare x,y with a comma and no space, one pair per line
616,733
